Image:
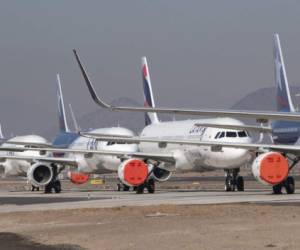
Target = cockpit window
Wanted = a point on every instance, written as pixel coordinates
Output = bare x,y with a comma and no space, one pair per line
242,134
222,135
231,134
110,143
217,135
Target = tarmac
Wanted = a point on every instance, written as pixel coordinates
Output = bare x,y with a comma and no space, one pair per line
35,201
185,213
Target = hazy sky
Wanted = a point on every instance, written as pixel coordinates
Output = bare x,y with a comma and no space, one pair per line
202,54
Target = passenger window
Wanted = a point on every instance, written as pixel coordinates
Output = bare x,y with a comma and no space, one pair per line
222,135
230,134
242,134
217,135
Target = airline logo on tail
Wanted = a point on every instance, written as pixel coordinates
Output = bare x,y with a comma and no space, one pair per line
283,96
148,95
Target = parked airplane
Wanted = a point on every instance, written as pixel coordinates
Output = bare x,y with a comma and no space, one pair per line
43,170
188,157
270,167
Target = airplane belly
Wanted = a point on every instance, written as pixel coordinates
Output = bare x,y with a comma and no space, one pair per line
99,164
15,167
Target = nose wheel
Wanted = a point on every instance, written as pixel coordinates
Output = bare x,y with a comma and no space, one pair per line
233,181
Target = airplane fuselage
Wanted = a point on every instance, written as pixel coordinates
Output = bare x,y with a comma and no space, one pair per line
199,158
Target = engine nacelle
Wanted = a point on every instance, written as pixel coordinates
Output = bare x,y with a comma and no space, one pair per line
270,168
78,178
133,172
160,174
40,174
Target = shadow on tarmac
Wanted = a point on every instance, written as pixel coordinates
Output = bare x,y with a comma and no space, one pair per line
18,242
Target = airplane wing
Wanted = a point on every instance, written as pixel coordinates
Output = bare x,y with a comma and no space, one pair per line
293,149
59,160
262,116
30,144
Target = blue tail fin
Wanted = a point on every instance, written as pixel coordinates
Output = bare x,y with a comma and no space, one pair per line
148,95
63,126
283,96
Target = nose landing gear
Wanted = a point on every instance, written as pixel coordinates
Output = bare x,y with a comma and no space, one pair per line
233,181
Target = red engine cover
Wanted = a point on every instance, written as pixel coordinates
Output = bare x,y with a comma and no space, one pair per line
270,168
274,168
133,172
78,178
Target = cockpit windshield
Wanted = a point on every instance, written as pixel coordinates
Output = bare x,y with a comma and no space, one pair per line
231,134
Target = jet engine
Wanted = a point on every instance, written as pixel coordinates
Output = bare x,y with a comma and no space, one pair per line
40,174
270,168
160,174
133,172
78,178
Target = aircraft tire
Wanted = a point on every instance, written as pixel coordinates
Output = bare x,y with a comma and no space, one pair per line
151,186
240,184
125,188
289,185
57,186
48,188
140,189
277,189
229,185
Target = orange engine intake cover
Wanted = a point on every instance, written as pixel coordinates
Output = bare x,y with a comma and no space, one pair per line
78,178
135,172
274,168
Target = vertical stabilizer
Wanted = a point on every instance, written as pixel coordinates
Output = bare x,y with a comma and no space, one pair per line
150,118
77,129
1,132
283,95
63,126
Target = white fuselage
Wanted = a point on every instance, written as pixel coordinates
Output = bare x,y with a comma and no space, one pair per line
14,167
98,163
199,158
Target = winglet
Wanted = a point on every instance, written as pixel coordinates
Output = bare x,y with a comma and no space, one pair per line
89,84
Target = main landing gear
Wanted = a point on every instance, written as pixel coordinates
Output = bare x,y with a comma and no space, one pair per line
122,187
288,184
233,181
149,185
55,183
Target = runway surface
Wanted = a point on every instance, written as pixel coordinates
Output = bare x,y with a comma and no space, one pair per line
27,201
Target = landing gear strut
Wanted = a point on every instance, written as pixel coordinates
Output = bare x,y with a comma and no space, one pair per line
149,185
233,181
55,183
288,184
122,187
